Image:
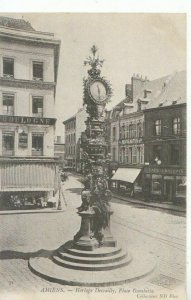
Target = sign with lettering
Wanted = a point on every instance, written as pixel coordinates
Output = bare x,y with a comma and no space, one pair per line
23,140
164,171
27,120
131,141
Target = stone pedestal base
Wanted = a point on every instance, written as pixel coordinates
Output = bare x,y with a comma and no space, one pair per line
84,238
105,266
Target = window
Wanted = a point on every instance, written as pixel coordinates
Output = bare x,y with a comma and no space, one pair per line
8,143
37,70
114,154
176,126
123,131
134,156
122,155
37,106
139,130
157,127
114,133
8,67
139,160
8,104
126,155
130,155
37,144
132,131
175,155
157,151
127,131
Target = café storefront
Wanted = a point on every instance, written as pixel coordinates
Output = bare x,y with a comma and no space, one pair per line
164,184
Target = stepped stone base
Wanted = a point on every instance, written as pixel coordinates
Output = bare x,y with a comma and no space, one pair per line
104,266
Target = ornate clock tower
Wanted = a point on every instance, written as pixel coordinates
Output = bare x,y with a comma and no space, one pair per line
78,262
95,210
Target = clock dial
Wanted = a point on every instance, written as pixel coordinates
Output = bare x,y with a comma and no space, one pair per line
98,91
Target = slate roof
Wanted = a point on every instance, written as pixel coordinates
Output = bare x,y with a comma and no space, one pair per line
16,23
173,91
164,91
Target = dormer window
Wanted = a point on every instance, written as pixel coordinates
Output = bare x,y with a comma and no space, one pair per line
37,70
8,67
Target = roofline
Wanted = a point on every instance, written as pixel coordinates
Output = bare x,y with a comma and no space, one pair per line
69,119
39,40
164,107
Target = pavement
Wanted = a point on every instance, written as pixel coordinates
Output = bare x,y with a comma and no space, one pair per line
140,229
153,204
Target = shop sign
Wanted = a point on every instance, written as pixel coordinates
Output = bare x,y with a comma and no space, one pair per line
164,171
27,120
23,140
131,141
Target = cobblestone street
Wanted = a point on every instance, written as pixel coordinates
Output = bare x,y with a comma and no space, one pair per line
29,235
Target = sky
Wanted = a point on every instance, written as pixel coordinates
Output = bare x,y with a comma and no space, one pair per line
152,45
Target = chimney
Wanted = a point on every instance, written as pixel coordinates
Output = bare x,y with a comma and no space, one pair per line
128,90
138,85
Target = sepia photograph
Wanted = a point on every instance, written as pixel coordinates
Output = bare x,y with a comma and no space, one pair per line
93,141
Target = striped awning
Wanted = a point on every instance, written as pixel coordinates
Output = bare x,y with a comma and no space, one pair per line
27,177
126,174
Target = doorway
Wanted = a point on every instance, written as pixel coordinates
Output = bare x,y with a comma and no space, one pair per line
168,190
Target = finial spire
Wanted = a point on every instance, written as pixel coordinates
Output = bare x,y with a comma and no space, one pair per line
93,61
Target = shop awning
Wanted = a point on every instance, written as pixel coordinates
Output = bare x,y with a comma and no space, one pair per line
126,174
27,177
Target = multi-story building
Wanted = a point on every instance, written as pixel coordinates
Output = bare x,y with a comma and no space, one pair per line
28,76
165,143
74,126
128,129
70,142
59,151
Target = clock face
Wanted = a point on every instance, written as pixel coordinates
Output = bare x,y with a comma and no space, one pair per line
98,91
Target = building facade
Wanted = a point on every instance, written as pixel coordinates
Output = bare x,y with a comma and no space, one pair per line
165,144
70,143
59,151
74,127
28,76
133,142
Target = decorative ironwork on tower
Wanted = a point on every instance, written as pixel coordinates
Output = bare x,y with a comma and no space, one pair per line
95,209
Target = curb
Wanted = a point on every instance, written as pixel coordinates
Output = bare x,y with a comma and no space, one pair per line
150,204
16,212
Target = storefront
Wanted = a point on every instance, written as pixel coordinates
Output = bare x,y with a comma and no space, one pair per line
127,181
165,184
27,183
